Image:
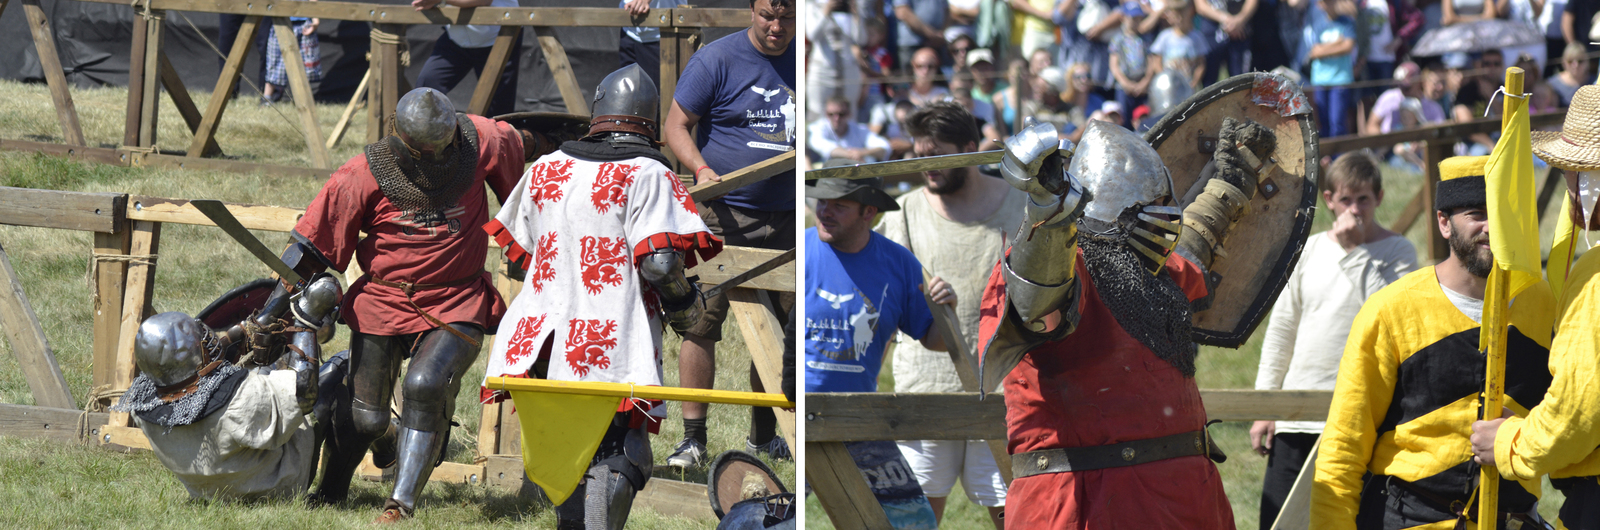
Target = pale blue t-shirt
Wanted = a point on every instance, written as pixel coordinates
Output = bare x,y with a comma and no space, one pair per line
854,303
1339,69
747,107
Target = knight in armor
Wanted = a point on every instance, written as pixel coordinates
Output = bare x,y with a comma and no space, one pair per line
418,196
604,232
231,432
1106,426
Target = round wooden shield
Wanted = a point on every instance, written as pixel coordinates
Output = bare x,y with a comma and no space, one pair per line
236,305
1263,247
546,121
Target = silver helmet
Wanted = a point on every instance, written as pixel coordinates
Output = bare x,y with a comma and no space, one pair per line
1130,192
425,120
626,101
170,348
1167,90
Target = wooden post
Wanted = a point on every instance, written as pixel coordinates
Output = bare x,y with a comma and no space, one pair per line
109,294
489,81
146,240
44,41
33,352
130,134
389,75
181,100
841,489
205,134
375,93
349,111
300,90
1296,512
150,104
566,81
669,85
763,335
1438,150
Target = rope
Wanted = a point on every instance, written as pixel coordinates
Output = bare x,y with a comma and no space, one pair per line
383,37
93,405
94,268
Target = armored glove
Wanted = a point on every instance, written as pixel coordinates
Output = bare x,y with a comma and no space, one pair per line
1243,153
1040,266
1036,162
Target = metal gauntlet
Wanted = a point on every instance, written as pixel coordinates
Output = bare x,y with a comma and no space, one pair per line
680,297
1242,156
315,309
1039,269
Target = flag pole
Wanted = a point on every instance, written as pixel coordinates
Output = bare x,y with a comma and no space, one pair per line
1492,335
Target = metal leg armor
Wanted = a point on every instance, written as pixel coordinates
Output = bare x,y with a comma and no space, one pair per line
430,387
364,416
620,468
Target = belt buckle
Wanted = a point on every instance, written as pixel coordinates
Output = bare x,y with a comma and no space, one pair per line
1128,453
1043,462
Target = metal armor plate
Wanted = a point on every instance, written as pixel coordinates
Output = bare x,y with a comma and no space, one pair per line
1262,249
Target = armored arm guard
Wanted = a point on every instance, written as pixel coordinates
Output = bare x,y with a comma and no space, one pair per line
1243,150
315,309
680,297
1039,270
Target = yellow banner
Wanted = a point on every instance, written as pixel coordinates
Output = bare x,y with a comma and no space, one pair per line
560,433
1512,199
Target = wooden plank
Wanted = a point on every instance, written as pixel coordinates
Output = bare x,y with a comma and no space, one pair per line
841,489
100,155
44,41
1409,215
254,217
839,417
489,80
1438,249
28,342
763,335
230,166
566,80
710,18
668,81
779,165
205,134
300,91
108,295
734,260
146,240
150,105
949,326
510,430
389,76
180,99
69,210
349,111
375,93
1554,179
126,436
136,67
1296,511
1454,131
403,13
57,425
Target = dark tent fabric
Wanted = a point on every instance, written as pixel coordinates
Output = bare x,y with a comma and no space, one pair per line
93,40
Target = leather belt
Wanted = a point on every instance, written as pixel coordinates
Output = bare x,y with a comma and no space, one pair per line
1064,459
409,288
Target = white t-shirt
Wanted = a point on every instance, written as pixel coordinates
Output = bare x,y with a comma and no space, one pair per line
823,140
478,36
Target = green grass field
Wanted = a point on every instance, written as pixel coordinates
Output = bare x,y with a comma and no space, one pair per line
55,485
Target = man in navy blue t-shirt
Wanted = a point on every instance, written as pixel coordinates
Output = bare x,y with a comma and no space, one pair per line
738,92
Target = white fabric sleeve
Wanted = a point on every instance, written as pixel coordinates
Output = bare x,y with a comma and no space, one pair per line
519,215
1277,346
819,140
1373,266
263,413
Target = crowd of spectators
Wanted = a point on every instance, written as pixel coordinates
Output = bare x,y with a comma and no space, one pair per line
1068,61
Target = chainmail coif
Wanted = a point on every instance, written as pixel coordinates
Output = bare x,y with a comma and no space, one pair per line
425,189
141,397
1150,307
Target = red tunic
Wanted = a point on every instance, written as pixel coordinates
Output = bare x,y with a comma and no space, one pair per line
1100,386
398,250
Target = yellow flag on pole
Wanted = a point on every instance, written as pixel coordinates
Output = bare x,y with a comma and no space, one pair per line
1512,199
560,433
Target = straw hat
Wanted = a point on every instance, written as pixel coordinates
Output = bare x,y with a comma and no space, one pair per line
1577,146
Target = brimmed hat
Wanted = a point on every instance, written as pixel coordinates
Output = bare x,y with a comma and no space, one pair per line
865,191
977,55
1461,183
1577,146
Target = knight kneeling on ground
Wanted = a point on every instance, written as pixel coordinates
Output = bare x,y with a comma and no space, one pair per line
238,432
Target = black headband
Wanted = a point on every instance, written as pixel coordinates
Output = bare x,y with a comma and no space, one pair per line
1460,192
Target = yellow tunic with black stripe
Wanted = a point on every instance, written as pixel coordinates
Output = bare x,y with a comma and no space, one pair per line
1405,401
1560,436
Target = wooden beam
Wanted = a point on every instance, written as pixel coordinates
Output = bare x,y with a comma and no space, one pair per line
489,80
389,76
99,155
125,436
1453,132
54,424
136,67
566,80
609,17
44,42
1554,179
949,326
146,240
230,166
375,92
205,134
710,18
150,105
1437,249
1409,215
180,99
840,488
28,342
763,335
668,82
349,111
838,417
254,217
300,91
1296,511
69,210
109,278
763,170
735,260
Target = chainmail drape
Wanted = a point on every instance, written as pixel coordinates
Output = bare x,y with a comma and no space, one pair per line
424,189
1151,308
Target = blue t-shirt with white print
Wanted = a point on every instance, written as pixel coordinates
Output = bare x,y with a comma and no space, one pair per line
747,107
854,303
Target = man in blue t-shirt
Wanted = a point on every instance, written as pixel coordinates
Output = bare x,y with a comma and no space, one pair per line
860,287
738,92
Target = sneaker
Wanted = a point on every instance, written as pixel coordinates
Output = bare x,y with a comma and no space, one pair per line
690,453
776,449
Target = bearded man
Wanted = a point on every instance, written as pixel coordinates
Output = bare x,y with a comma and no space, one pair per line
1395,451
418,195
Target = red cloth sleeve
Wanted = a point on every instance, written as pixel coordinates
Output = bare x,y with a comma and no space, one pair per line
501,146
334,219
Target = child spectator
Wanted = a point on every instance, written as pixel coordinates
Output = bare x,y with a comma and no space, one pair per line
1179,47
1129,64
1332,53
276,81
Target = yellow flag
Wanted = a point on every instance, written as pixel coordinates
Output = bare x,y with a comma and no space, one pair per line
1513,222
1561,252
560,433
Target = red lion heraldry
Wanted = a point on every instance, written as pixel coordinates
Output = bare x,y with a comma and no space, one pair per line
604,259
545,186
522,339
544,268
611,186
587,343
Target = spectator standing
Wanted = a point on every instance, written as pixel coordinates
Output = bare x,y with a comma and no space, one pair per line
961,86
466,48
1032,27
1332,54
1574,72
639,45
276,81
738,94
1375,42
956,226
1472,101
1409,84
921,24
1089,25
835,63
1129,59
1228,29
1179,47
839,136
981,61
1305,338
1460,11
